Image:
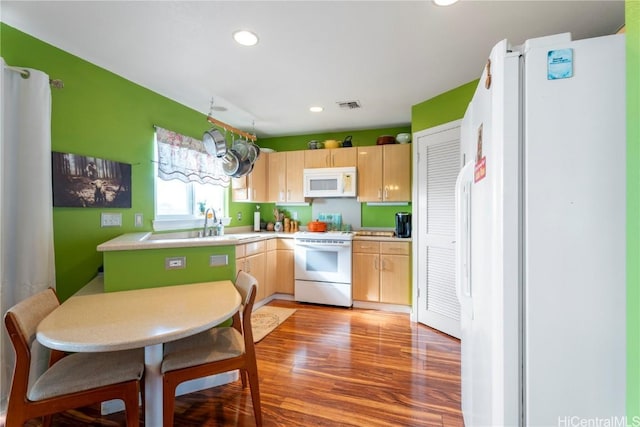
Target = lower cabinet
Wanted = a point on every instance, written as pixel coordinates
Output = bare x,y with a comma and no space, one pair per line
280,266
381,271
252,258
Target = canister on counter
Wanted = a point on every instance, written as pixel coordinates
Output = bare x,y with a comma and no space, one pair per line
287,225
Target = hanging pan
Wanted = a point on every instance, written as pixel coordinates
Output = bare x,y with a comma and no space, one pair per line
214,142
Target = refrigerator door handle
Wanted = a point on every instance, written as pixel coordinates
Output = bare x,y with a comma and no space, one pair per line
464,184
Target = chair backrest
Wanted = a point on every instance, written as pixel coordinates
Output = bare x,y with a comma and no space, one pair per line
247,286
244,281
21,322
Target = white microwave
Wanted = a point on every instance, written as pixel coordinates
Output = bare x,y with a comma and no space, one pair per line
330,182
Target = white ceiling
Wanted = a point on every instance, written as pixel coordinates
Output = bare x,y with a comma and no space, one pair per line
389,55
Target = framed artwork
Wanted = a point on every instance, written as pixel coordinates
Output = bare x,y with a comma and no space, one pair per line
90,182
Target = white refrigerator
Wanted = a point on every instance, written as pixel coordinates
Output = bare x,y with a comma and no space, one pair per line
540,245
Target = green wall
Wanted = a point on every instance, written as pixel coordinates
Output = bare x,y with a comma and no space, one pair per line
444,108
138,269
101,114
632,18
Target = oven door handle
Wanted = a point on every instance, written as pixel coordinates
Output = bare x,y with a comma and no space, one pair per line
320,245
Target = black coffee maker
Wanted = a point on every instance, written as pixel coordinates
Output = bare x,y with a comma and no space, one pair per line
403,224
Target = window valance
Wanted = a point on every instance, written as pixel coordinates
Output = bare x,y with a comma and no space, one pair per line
184,158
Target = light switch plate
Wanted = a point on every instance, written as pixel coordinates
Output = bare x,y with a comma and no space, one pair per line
218,260
138,220
110,219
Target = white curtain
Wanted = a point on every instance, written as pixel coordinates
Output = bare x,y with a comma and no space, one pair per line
184,158
26,213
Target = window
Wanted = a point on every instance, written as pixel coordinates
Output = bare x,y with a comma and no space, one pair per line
178,200
187,182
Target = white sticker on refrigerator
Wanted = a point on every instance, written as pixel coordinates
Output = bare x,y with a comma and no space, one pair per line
559,64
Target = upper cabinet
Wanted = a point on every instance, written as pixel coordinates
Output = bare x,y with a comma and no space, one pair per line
285,176
252,187
384,173
295,179
329,158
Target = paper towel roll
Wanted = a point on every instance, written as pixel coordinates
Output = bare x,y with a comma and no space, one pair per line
256,221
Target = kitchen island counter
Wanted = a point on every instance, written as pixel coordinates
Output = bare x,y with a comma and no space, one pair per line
150,240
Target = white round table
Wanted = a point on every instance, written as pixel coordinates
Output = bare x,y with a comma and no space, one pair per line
139,318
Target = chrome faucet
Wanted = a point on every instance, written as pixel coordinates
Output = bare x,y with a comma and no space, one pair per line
206,220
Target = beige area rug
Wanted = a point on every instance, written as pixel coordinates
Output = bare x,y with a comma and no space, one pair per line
265,319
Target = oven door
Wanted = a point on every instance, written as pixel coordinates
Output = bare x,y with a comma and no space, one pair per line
323,262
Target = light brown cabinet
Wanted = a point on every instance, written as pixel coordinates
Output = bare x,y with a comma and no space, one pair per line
327,158
384,173
280,265
285,179
251,258
381,272
252,187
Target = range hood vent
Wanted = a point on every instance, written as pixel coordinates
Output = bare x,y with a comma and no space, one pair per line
349,105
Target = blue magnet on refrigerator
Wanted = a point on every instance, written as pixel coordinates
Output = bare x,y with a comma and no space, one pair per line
559,64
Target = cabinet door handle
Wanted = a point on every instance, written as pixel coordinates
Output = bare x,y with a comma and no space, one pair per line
380,193
282,196
288,195
382,264
386,192
375,263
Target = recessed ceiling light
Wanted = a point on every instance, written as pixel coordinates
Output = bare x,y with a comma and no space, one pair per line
316,109
245,37
444,2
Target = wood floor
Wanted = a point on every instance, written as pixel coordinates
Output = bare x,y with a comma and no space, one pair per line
331,367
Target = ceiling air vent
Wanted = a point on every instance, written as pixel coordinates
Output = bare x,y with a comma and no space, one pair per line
349,105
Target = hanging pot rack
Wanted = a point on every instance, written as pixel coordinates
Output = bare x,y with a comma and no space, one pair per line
232,129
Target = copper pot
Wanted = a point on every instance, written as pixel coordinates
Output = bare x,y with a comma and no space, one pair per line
317,226
386,139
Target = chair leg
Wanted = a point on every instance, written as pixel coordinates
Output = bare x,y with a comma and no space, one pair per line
243,377
131,406
168,402
15,418
252,371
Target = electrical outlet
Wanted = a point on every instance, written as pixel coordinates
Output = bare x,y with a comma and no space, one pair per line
239,216
174,263
138,222
294,215
110,219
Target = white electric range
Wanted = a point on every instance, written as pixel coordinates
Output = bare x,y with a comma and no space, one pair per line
323,267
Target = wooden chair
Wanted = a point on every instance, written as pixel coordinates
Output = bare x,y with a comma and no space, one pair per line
215,351
64,381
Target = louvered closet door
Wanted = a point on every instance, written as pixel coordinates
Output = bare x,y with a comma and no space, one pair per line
438,167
